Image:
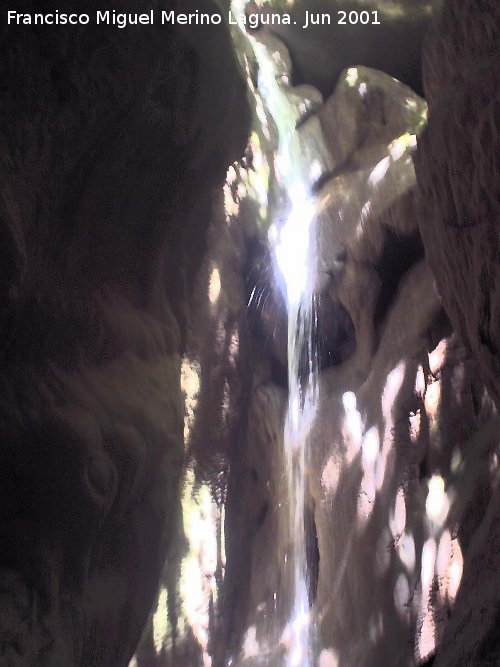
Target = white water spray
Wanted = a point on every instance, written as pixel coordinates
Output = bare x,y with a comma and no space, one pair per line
297,168
293,254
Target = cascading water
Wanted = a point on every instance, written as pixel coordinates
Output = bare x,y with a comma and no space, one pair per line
300,413
297,168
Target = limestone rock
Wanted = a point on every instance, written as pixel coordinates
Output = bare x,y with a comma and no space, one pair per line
373,111
457,170
104,134
321,52
460,35
457,167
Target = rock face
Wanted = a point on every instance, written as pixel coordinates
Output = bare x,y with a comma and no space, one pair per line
401,482
133,277
401,516
366,587
104,133
457,167
326,47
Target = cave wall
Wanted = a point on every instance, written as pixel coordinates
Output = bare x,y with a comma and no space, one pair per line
457,169
458,166
111,144
402,482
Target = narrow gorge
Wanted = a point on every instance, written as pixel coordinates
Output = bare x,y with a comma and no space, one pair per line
250,328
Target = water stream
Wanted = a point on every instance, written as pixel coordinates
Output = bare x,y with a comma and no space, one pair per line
296,169
300,413
279,615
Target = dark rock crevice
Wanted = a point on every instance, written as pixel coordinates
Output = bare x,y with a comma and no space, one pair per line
103,134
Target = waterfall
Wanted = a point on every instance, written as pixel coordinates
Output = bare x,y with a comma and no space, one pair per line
298,422
294,254
300,411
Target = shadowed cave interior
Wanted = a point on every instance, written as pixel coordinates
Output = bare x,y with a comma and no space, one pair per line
250,334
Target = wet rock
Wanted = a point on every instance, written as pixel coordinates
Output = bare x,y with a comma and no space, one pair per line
294,110
363,458
369,194
403,466
359,183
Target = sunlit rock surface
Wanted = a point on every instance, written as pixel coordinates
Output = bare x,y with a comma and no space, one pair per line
257,588
404,440
400,517
322,51
103,134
